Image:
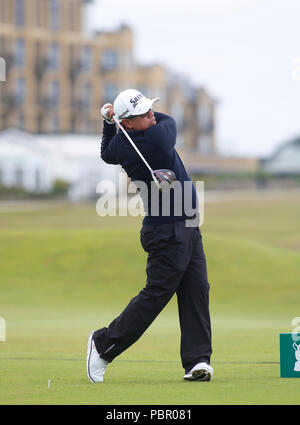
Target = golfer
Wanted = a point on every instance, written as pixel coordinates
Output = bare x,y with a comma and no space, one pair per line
176,261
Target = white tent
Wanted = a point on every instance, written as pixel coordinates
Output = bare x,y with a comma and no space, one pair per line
285,160
21,165
74,158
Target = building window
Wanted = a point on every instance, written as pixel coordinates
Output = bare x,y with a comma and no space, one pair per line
71,16
20,90
54,56
85,126
54,94
37,11
87,94
86,59
20,13
21,121
179,141
109,60
74,13
204,144
205,119
39,123
73,125
177,113
2,16
54,15
55,124
20,53
110,92
127,59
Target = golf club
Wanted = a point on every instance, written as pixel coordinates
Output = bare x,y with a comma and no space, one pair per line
159,176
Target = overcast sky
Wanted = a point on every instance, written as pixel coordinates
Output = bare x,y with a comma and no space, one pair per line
245,52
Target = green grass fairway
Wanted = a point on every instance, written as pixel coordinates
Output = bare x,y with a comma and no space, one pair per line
64,271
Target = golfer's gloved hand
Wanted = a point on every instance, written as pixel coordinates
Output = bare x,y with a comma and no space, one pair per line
107,113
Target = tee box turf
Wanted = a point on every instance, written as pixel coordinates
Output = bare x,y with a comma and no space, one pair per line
289,355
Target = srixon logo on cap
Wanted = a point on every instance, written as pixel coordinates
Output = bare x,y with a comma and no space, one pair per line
135,100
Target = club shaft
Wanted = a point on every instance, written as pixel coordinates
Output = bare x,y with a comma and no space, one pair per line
134,146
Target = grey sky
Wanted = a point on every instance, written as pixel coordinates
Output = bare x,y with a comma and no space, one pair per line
244,51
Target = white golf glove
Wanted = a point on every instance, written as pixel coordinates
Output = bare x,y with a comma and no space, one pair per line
104,110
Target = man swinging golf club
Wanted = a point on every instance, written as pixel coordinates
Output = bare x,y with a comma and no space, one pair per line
176,261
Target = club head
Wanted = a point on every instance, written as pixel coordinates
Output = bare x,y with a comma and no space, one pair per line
164,177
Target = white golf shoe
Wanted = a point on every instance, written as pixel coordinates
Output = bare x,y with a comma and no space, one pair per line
201,372
94,364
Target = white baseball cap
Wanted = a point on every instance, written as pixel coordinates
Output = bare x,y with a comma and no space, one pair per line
132,102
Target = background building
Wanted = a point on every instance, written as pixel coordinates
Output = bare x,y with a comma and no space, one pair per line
58,76
36,163
285,160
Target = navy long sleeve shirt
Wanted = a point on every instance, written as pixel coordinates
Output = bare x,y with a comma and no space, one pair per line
157,145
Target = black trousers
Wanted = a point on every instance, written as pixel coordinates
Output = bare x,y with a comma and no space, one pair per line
176,264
